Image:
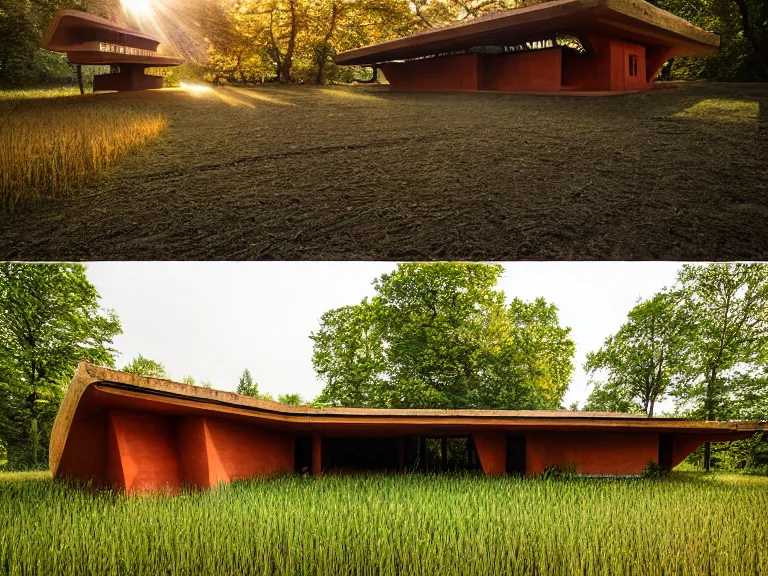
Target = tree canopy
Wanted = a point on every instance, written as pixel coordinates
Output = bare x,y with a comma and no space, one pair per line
146,367
638,361
50,321
703,343
442,336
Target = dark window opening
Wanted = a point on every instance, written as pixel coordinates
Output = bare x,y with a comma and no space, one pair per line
633,64
445,454
354,454
516,455
302,454
665,451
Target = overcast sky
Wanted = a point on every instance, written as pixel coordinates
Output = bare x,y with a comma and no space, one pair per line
212,319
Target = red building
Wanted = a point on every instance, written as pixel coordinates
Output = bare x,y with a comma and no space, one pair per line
592,46
146,434
88,39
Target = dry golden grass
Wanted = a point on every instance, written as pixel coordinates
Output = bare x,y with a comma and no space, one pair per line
49,145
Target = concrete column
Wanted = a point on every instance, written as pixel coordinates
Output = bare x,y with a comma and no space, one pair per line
317,454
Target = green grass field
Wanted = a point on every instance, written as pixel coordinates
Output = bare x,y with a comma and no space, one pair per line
687,524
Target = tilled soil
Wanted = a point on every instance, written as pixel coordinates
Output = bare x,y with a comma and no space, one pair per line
359,173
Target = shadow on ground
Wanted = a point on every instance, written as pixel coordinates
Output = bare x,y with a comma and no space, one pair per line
359,173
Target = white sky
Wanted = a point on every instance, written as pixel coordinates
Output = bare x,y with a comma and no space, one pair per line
212,319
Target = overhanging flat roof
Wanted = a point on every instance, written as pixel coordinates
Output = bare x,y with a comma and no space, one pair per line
634,20
79,35
96,389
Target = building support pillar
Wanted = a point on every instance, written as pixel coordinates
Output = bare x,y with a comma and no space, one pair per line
317,454
401,456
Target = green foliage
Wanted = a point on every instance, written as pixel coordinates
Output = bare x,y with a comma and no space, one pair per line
742,55
639,361
554,471
246,386
291,399
50,321
3,454
146,367
724,310
654,470
441,336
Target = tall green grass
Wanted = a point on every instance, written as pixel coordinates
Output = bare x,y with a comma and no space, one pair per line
448,525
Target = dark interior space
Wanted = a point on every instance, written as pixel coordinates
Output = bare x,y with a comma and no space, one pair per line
665,451
444,454
516,455
347,453
302,454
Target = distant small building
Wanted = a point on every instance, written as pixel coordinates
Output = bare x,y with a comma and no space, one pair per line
140,434
578,46
88,39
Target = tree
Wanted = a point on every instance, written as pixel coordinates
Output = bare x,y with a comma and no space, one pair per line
441,336
725,310
146,367
50,320
291,399
639,361
246,386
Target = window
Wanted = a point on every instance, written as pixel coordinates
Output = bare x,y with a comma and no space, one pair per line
633,64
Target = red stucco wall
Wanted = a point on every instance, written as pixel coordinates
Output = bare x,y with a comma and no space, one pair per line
591,452
539,70
492,449
85,454
142,453
452,73
154,452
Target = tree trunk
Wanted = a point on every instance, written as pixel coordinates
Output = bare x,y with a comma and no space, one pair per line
758,45
707,455
285,66
80,78
325,49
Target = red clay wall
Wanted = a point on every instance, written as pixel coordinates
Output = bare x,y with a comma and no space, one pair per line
492,449
621,79
450,73
142,454
153,452
85,454
591,452
214,450
606,67
538,70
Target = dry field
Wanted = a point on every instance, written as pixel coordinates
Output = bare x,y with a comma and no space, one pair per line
51,141
300,172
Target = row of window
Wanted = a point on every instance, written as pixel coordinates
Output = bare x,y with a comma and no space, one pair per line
105,47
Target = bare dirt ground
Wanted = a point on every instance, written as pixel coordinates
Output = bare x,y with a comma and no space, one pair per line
361,173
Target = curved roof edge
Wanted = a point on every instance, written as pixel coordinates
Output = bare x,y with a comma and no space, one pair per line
88,375
495,22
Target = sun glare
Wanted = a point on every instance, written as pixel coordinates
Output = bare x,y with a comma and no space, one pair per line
138,8
194,88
